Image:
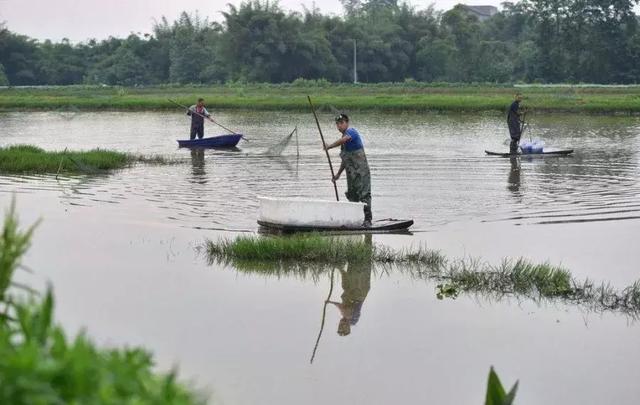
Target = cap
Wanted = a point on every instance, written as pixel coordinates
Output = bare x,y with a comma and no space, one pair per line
342,117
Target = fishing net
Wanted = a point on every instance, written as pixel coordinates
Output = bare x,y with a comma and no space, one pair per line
278,148
83,168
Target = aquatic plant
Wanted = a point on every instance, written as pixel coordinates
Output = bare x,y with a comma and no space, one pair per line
32,159
306,248
313,248
518,277
311,255
496,394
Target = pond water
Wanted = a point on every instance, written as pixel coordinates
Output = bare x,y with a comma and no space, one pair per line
120,251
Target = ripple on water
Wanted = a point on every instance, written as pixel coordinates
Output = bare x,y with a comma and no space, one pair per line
431,169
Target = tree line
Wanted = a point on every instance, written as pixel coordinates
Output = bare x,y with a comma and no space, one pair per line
546,41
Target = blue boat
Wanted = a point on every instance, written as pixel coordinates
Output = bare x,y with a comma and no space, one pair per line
222,141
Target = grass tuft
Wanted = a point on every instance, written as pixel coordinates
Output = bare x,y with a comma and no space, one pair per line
32,159
310,248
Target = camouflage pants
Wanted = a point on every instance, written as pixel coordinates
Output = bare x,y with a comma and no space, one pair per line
358,179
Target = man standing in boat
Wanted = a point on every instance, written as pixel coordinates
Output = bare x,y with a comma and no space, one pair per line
514,121
198,114
354,161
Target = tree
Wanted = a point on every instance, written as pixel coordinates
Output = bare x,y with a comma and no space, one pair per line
464,31
193,50
18,55
61,63
3,77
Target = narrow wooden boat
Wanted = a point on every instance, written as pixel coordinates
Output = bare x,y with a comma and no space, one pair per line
545,152
388,225
222,141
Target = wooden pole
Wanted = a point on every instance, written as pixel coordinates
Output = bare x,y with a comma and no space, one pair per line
335,187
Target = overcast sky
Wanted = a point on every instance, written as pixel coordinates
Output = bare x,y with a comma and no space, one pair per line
81,20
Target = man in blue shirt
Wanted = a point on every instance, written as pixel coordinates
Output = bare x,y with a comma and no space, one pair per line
354,161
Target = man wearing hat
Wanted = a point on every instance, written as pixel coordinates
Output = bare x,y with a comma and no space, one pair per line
354,161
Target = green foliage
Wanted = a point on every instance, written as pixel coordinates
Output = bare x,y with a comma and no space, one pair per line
40,365
496,394
305,248
31,159
13,245
571,41
408,95
310,255
61,63
314,248
19,56
446,291
3,77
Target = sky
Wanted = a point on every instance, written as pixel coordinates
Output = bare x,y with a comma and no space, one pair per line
99,19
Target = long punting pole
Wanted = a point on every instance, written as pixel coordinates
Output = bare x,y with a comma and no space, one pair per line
324,147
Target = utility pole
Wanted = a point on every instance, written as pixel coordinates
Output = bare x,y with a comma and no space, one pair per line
355,62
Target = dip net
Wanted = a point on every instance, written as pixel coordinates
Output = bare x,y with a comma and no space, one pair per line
278,148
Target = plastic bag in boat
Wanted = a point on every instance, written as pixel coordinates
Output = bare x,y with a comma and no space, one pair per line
537,146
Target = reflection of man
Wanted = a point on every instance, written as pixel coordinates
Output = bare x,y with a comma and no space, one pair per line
197,161
514,175
356,282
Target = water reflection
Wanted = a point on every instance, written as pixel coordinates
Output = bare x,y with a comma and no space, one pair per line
514,177
356,283
197,166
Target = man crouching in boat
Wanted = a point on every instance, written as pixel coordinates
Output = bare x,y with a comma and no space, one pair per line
354,161
198,113
514,121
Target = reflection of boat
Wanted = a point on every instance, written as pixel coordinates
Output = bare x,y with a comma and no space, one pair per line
547,152
305,215
222,141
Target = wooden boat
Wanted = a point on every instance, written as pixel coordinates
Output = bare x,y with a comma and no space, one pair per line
307,215
388,225
222,141
545,152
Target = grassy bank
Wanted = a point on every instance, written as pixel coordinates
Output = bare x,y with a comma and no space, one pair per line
410,96
312,255
41,364
31,159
